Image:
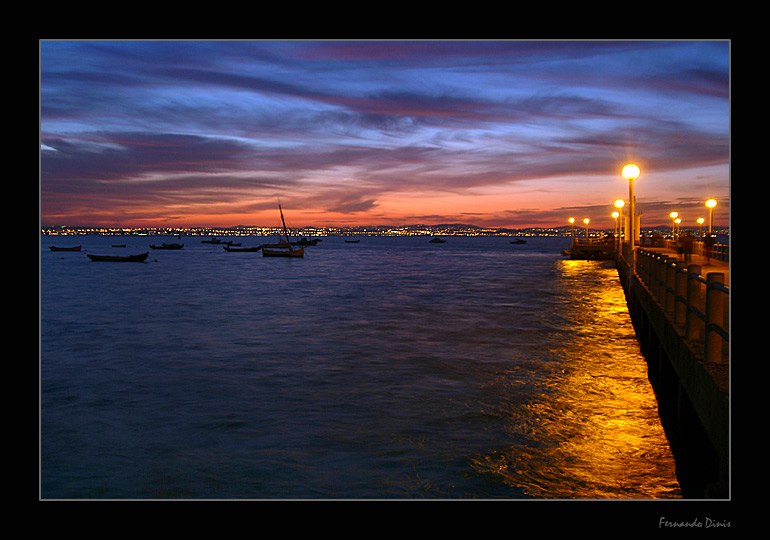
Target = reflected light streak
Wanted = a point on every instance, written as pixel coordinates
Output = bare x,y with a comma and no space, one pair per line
600,408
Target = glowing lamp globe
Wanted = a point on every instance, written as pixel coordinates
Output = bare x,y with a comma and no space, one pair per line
711,203
630,171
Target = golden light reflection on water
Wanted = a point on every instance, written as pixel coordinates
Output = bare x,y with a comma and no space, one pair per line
592,430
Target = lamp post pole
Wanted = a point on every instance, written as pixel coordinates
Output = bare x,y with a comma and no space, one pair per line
711,203
630,172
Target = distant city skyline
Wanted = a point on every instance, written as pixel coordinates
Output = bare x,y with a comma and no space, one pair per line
498,134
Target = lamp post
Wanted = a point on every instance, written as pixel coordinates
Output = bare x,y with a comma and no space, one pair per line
586,221
631,172
616,215
572,224
711,203
619,204
673,216
700,222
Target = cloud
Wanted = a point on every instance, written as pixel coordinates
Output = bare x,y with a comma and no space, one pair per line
207,127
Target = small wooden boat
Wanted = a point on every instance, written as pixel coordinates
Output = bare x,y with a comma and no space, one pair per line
73,248
114,258
308,242
230,248
299,252
437,241
118,245
164,245
215,240
352,241
518,241
289,251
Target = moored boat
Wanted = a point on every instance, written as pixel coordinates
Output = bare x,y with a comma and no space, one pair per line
73,248
230,248
289,250
116,258
215,240
164,245
518,241
298,252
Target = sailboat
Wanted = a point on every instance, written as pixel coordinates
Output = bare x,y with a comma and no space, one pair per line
289,251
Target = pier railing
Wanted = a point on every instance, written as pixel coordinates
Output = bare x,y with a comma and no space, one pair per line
699,305
719,252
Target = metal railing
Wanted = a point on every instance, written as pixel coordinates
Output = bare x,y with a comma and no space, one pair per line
700,304
719,252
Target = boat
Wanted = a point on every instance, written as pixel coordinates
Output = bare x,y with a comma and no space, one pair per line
289,251
215,240
518,241
114,258
164,245
73,248
437,241
230,248
352,241
307,241
118,245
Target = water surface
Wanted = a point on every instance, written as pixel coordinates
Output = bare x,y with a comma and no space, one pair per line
389,369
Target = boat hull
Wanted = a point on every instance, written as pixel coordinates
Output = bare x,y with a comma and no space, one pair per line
294,253
113,258
228,248
74,248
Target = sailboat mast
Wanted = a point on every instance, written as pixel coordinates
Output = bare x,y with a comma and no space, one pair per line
285,231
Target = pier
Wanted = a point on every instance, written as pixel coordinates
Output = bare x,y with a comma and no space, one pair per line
680,310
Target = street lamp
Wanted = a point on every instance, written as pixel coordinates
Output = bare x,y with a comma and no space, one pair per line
673,216
700,222
711,203
619,204
631,172
678,229
616,215
586,221
572,224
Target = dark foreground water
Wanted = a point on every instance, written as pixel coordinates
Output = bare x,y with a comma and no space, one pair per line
389,369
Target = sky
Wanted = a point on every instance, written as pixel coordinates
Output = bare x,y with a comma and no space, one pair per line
507,134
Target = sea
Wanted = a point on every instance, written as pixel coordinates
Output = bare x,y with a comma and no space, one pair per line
388,369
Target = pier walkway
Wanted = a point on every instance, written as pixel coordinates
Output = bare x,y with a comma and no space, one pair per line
707,265
680,310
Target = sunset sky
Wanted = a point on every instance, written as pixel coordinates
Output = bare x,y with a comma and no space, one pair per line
491,133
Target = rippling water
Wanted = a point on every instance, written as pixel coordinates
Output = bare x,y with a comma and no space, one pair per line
390,369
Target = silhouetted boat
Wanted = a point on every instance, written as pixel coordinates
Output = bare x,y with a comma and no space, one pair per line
113,258
229,248
518,241
352,241
307,242
215,240
289,251
437,241
164,245
73,248
118,245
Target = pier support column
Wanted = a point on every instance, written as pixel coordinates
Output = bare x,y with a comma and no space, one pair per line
680,292
714,317
692,326
670,285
